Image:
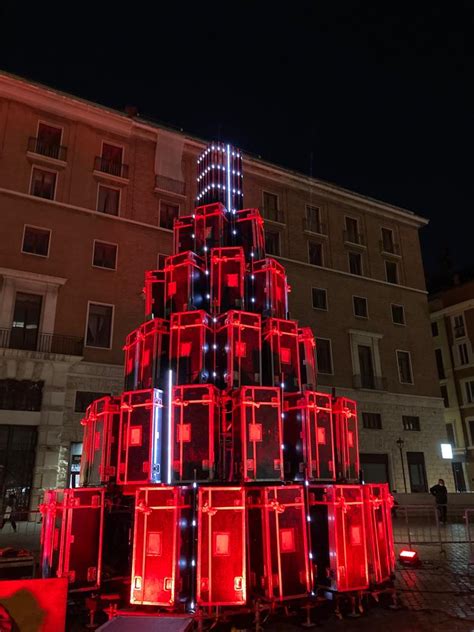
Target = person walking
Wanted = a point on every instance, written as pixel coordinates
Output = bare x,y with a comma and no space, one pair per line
440,493
8,514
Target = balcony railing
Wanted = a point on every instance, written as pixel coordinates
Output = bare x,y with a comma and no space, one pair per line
163,183
112,167
273,215
390,248
30,340
354,238
374,382
313,226
38,146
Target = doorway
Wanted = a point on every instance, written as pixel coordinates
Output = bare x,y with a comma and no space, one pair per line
26,321
417,472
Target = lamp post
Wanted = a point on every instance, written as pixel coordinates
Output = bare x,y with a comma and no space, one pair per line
401,443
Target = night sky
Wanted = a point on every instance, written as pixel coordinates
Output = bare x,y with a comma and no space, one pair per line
373,96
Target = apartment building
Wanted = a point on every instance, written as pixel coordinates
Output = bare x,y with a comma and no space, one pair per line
88,196
452,327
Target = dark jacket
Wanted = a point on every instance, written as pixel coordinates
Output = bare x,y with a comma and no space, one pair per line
440,493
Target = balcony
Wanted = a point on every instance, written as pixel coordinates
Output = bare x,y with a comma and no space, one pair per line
372,382
31,340
273,215
389,248
316,227
170,185
111,167
48,150
354,239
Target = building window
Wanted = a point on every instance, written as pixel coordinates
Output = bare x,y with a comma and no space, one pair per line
324,355
111,160
372,421
99,325
21,395
387,240
168,213
315,253
404,367
440,364
85,398
161,261
411,423
450,434
313,219
444,395
391,272
108,200
360,306
459,328
469,389
463,353
48,141
398,314
366,367
355,263
272,242
352,234
36,241
417,472
434,329
320,298
270,207
105,255
43,183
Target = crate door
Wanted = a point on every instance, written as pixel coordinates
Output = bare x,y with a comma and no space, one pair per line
194,450
222,549
323,442
137,437
83,546
351,556
352,445
247,356
263,438
378,534
154,562
97,450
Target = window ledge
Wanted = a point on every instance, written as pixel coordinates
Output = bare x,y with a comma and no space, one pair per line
109,177
47,160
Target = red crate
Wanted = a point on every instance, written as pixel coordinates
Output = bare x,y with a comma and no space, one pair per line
162,547
71,536
338,537
257,434
281,357
100,443
221,563
154,291
238,350
308,436
278,543
211,227
140,446
195,432
191,341
378,504
185,279
268,288
146,355
250,233
307,345
346,441
184,234
227,279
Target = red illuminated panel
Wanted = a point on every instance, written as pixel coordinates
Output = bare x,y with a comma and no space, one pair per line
184,234
185,282
281,354
269,288
211,226
378,521
307,349
146,355
227,279
250,233
154,294
191,344
346,438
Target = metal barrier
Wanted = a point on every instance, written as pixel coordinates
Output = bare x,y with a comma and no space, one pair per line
27,533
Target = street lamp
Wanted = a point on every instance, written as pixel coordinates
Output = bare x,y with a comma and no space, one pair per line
401,443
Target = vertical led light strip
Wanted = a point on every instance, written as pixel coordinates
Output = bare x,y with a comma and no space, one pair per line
229,197
170,403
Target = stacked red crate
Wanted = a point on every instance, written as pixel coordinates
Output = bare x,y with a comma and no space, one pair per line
308,436
184,234
221,559
278,543
307,349
146,355
191,346
378,504
346,439
154,291
71,536
257,434
268,289
140,446
237,350
281,359
211,227
185,278
227,287
163,536
338,537
195,418
249,233
100,444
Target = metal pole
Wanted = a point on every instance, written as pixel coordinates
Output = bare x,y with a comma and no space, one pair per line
400,443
